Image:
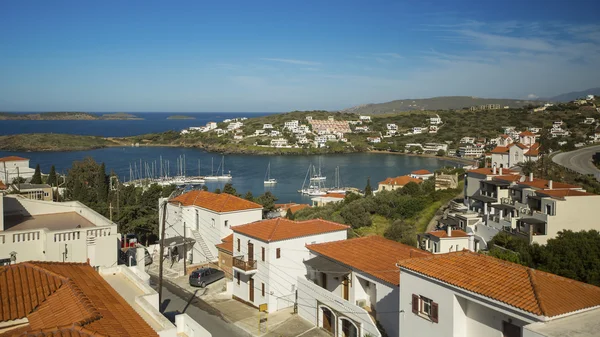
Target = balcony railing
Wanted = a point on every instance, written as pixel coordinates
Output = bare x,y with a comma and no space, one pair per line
238,262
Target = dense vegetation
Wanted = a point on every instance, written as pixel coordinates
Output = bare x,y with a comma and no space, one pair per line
52,142
575,255
398,215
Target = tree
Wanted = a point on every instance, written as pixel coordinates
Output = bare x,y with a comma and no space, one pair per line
404,232
204,188
289,214
37,175
229,189
441,153
267,200
249,196
52,178
18,180
217,191
356,215
368,190
101,184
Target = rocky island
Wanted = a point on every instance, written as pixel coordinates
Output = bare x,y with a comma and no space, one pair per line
66,116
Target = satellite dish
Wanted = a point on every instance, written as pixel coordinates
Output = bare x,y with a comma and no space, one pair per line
522,179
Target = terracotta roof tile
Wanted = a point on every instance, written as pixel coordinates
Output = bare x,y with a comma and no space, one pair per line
504,136
222,202
565,193
500,149
520,145
544,184
284,229
510,177
457,233
400,181
526,133
531,290
489,171
12,158
335,195
373,255
65,299
532,152
291,206
420,172
226,244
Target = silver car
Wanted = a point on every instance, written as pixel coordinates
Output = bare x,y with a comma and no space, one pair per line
204,276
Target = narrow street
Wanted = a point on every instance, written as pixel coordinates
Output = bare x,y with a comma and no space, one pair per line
177,300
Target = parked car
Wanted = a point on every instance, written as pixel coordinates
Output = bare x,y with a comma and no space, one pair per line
204,276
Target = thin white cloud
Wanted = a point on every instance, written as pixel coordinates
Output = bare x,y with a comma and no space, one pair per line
390,55
532,96
292,61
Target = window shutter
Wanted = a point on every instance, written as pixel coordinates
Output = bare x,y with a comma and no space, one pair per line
434,312
415,304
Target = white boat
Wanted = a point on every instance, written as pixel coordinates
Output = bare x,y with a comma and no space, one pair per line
317,175
268,179
313,193
196,180
314,188
223,176
337,183
212,176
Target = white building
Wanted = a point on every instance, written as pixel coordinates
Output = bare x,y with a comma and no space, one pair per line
208,218
267,126
433,129
361,129
77,300
211,125
417,130
259,132
352,283
446,241
509,154
374,140
421,174
238,137
435,120
12,167
50,231
471,151
434,147
589,97
291,124
234,126
392,127
467,140
279,142
303,140
589,120
275,133
466,294
268,258
364,119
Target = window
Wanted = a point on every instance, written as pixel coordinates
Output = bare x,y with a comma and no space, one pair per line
197,221
278,253
263,290
425,307
237,276
226,223
238,245
213,223
262,253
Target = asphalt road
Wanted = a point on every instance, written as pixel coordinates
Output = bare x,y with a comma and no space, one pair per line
579,160
177,300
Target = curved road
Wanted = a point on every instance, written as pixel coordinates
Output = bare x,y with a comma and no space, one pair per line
579,160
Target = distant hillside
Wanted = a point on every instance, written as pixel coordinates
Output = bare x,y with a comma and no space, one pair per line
574,95
434,103
65,116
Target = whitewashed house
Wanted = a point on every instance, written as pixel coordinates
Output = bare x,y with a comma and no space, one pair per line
12,167
208,218
421,174
268,258
361,129
392,127
275,133
259,132
279,142
374,140
467,140
211,125
267,126
291,124
465,294
446,241
234,126
433,129
509,154
56,231
417,130
364,119
351,285
435,120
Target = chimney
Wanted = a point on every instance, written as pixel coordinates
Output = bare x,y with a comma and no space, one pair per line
501,171
494,170
449,230
531,176
471,241
550,184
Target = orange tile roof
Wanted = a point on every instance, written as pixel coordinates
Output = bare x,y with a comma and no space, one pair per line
543,184
531,290
335,195
293,207
532,152
526,133
519,145
284,229
400,181
564,193
2,186
488,171
65,299
504,136
500,149
12,158
421,172
374,255
457,233
226,244
222,202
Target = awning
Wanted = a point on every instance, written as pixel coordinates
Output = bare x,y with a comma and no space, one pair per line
178,241
500,183
532,221
483,198
503,206
326,265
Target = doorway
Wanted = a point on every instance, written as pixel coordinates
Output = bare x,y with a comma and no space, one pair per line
349,329
251,285
328,320
346,288
323,280
250,252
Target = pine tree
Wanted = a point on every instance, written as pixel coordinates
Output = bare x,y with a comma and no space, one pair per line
368,189
204,188
289,214
249,196
217,191
37,175
229,189
101,184
52,180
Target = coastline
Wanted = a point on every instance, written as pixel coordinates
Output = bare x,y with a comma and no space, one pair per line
455,159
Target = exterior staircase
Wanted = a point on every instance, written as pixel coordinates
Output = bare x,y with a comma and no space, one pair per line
205,254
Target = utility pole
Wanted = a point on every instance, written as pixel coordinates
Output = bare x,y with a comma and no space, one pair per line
184,249
161,252
110,210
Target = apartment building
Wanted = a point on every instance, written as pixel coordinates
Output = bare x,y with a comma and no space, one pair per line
465,294
511,154
35,230
446,241
268,258
73,299
12,167
207,218
352,284
435,120
291,124
471,151
391,184
33,191
477,197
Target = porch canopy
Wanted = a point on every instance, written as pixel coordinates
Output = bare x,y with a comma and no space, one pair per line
326,265
483,198
532,221
178,241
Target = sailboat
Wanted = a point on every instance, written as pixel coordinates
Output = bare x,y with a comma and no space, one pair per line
223,176
317,176
268,179
212,176
337,188
312,189
196,180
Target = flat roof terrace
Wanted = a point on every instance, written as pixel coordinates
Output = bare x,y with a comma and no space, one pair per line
56,221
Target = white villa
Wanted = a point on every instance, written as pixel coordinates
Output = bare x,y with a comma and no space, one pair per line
421,174
435,120
208,218
417,130
509,154
364,118
268,258
279,142
35,230
12,167
465,294
351,284
291,124
374,139
446,241
267,126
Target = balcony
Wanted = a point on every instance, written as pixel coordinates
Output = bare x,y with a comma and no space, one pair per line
246,267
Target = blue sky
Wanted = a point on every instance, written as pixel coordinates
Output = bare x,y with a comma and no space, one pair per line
214,56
